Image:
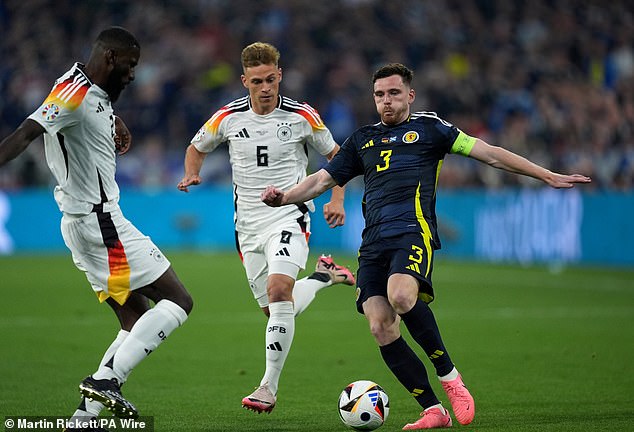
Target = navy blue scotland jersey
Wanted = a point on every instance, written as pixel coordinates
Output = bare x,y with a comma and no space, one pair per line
400,165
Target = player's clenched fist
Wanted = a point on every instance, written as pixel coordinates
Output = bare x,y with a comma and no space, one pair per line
272,196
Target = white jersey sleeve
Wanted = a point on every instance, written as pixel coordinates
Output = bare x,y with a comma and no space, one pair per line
213,132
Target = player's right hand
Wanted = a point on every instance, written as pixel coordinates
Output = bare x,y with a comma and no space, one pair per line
272,196
122,136
187,181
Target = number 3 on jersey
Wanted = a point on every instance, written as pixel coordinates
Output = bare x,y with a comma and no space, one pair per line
385,154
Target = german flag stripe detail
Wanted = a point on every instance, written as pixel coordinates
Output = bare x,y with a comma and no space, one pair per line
69,93
119,277
237,105
305,110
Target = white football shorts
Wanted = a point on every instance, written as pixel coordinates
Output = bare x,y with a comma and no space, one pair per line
116,257
278,251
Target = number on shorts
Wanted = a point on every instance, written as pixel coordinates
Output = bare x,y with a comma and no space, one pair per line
418,258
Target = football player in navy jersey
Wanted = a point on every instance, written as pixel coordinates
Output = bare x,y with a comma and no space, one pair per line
400,159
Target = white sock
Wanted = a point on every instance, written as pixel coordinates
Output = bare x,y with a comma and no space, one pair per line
279,337
87,408
439,406
304,292
450,376
146,335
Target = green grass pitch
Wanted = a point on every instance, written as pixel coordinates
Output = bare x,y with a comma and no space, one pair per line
540,350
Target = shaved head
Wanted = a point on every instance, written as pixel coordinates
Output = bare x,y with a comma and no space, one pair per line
116,38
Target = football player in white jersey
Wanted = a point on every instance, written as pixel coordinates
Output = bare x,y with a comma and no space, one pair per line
267,135
124,267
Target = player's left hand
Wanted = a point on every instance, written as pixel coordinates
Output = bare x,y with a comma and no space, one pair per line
564,181
122,136
334,214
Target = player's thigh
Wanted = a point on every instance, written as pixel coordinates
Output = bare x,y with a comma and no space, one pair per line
168,287
286,250
372,274
412,255
255,266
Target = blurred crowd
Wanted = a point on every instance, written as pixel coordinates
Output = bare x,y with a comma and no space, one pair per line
552,80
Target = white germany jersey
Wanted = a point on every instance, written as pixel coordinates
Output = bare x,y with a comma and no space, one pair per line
265,150
79,142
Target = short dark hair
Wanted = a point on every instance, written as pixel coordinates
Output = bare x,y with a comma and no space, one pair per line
117,38
394,69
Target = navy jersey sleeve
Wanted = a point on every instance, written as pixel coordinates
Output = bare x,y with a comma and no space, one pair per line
346,164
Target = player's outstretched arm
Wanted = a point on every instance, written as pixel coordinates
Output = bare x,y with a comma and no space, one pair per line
309,188
193,163
501,158
18,141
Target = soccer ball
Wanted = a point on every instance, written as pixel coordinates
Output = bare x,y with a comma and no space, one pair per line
363,405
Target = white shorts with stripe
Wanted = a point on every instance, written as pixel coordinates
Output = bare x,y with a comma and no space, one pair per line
283,250
116,257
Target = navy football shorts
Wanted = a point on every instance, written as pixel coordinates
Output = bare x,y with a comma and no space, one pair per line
407,254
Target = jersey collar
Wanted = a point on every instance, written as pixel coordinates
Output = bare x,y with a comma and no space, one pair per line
409,117
80,67
279,102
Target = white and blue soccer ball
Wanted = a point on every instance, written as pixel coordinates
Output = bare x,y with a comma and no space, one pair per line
363,405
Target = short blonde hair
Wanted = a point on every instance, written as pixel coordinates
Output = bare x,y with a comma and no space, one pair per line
259,53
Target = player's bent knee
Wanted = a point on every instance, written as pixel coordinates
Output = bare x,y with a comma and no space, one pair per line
383,332
278,296
280,288
181,297
186,302
402,301
171,288
266,312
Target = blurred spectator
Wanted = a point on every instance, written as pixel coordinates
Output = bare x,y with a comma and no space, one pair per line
550,79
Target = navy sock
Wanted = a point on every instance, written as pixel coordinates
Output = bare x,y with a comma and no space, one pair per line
409,370
321,277
422,326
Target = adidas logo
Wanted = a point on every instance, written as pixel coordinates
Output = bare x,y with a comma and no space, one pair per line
436,354
100,108
243,134
283,252
417,392
413,267
274,347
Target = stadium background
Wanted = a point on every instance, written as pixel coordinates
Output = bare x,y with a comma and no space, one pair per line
552,80
542,347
